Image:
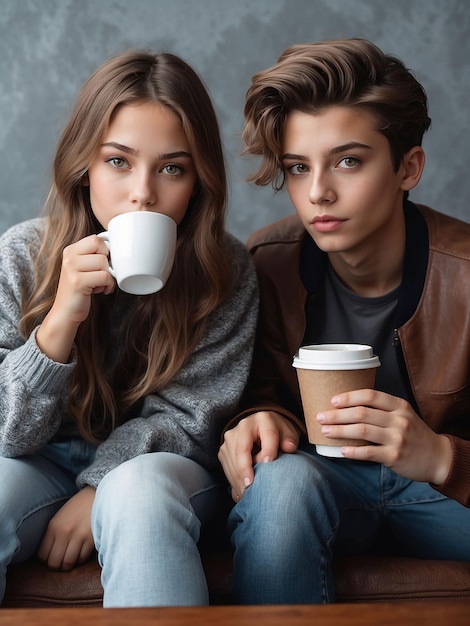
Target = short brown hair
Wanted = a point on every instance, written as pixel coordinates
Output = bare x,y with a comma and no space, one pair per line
310,77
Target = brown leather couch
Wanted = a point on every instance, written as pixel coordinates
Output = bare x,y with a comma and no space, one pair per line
358,579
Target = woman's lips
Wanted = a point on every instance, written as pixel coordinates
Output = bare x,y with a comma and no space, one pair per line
326,223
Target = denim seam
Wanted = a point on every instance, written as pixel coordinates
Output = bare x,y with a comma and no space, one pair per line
42,506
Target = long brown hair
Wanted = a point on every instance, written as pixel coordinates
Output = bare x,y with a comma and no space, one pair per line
349,72
171,322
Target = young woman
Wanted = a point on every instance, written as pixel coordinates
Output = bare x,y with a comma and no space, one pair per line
111,405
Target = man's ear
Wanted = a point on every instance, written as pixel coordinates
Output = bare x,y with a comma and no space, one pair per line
413,165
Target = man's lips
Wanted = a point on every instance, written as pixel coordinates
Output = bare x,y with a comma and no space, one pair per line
326,223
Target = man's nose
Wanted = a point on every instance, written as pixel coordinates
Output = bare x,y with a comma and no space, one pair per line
321,189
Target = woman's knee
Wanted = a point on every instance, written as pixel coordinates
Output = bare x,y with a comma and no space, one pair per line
130,485
156,486
153,473
147,500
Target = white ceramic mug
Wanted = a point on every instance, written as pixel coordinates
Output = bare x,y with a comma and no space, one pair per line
142,248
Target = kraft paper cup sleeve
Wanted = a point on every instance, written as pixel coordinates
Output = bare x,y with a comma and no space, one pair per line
317,387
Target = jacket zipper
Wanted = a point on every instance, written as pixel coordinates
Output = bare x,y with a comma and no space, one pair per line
403,371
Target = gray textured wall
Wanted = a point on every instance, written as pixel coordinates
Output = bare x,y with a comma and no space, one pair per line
49,47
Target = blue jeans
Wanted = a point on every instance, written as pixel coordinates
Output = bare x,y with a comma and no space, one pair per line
146,520
32,490
304,510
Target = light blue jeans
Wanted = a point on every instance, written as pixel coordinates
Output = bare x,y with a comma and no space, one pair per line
146,520
32,490
304,510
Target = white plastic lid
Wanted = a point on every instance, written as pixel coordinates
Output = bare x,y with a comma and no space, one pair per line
336,356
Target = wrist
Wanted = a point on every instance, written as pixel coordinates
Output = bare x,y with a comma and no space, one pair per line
444,456
55,338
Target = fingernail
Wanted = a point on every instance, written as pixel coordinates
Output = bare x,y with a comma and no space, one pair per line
246,482
325,429
320,417
266,459
335,400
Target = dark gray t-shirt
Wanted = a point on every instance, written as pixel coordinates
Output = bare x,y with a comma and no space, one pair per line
350,318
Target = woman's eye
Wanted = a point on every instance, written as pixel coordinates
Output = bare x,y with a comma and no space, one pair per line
117,162
349,162
172,169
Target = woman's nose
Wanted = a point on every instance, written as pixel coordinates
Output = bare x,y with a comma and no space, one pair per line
143,191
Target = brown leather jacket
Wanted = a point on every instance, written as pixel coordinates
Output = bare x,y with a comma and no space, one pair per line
433,326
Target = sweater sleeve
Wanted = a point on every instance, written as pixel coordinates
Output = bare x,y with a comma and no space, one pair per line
187,416
31,384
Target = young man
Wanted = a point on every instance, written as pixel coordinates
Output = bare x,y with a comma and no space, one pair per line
341,125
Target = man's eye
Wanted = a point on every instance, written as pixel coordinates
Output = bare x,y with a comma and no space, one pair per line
297,168
349,162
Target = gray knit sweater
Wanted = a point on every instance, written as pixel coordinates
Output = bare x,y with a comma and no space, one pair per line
185,417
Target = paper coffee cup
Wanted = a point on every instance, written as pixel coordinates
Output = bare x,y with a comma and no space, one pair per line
324,370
